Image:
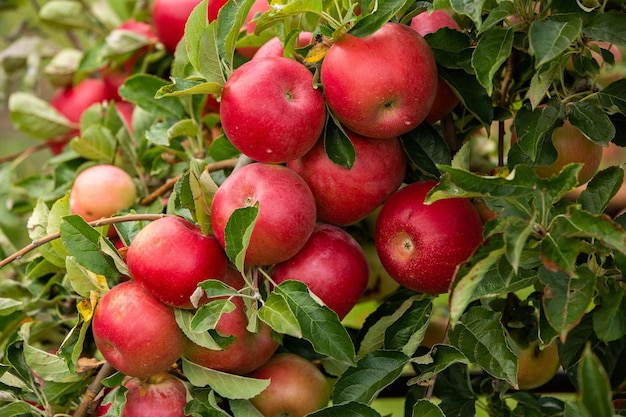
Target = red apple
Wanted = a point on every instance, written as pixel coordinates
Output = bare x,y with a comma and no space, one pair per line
421,245
429,22
345,196
259,7
382,85
297,387
274,46
248,351
271,111
286,217
171,256
169,18
101,191
573,146
332,264
136,333
213,8
161,395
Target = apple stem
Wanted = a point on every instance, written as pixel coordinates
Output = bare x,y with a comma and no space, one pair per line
96,223
93,389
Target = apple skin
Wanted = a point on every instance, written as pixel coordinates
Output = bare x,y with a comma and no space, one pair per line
421,245
286,217
425,23
169,18
101,191
297,387
248,351
536,366
171,256
573,146
274,46
270,110
136,333
382,85
345,196
161,395
332,264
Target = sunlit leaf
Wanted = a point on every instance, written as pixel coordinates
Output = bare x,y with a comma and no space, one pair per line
551,37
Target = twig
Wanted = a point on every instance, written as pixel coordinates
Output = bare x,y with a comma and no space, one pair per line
93,389
169,184
102,222
25,153
504,89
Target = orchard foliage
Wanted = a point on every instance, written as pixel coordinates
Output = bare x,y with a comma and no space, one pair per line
550,265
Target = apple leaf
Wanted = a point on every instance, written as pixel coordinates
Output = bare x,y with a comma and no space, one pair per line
593,122
230,20
451,48
608,26
49,367
319,324
276,312
202,52
425,408
609,320
237,234
473,95
595,389
425,147
352,409
203,189
15,408
69,14
38,228
480,336
82,280
550,37
406,333
36,117
184,87
534,132
493,48
337,144
496,15
140,89
72,347
207,315
217,288
96,143
438,359
243,408
372,373
371,22
541,81
226,385
598,227
9,305
204,338
574,409
601,189
566,299
472,9
293,8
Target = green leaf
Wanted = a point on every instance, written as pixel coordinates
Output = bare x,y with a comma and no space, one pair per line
594,386
207,315
204,339
217,288
600,227
49,367
566,299
226,385
549,38
609,318
534,133
541,81
82,280
185,87
471,8
67,13
83,242
480,336
371,22
203,189
36,117
9,305
230,20
473,95
425,147
96,143
15,409
337,144
140,89
202,48
291,9
436,361
407,332
601,189
451,48
609,27
371,374
276,312
593,122
319,324
493,48
425,408
614,96
516,235
37,226
352,409
237,234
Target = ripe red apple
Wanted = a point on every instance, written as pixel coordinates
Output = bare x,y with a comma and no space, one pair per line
101,191
259,7
536,366
345,196
161,395
573,146
213,8
286,217
171,256
421,245
429,22
297,387
248,351
274,46
332,264
169,18
382,85
271,111
136,333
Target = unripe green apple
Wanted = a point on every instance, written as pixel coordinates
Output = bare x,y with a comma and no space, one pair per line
536,366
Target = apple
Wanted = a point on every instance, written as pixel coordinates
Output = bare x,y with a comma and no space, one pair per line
421,245
136,333
169,18
573,146
536,366
332,264
297,387
270,110
248,351
345,196
259,7
429,22
160,395
286,216
382,85
274,46
171,256
213,8
101,191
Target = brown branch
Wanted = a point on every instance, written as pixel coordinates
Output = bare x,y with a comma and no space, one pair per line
93,389
169,184
25,153
504,100
102,222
